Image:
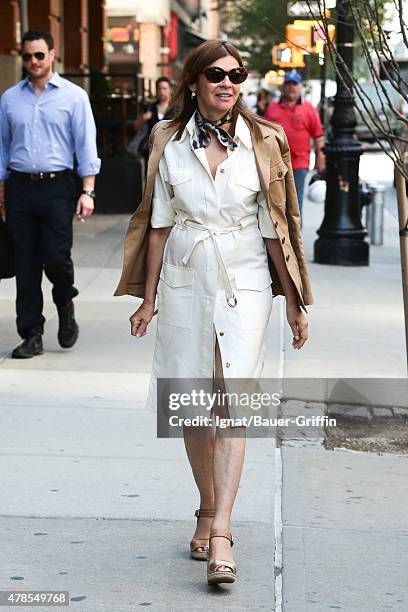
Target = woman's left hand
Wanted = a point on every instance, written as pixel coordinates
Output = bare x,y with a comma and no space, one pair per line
298,324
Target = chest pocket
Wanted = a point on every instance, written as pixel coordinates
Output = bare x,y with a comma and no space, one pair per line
251,181
181,181
277,191
247,183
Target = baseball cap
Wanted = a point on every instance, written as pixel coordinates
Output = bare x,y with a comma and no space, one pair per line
293,76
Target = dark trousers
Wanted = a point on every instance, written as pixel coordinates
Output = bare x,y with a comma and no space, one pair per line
39,217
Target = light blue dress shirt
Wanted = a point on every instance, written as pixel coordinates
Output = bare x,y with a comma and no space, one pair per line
41,133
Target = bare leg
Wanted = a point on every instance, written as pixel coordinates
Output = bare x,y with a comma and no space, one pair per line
216,463
229,453
199,443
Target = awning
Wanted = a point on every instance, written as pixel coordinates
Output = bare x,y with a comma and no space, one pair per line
192,38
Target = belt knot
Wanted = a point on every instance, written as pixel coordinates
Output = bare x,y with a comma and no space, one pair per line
212,233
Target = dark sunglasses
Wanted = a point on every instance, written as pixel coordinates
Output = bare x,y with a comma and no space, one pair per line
214,74
39,55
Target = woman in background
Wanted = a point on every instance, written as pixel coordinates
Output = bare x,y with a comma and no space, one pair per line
152,112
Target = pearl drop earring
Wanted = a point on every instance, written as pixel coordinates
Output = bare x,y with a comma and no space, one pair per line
193,95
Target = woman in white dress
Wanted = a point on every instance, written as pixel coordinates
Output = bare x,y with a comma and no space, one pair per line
214,229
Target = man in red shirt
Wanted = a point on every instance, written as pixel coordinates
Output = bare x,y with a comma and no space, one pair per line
301,123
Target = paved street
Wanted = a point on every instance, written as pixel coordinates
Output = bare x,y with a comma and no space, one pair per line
93,503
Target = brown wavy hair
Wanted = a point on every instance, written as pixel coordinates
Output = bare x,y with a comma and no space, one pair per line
196,61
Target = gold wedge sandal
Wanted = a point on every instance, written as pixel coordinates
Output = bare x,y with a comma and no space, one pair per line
197,543
214,575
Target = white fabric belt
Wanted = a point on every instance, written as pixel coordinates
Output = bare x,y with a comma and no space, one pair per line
209,232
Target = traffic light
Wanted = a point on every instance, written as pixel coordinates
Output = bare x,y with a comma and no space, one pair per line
317,29
286,55
299,34
281,54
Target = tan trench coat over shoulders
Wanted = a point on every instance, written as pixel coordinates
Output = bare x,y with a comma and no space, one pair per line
276,176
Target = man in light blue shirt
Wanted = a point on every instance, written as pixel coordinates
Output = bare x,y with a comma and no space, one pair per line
44,121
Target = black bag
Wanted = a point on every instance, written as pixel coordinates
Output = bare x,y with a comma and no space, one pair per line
6,252
139,145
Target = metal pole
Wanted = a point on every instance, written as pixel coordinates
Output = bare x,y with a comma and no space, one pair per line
368,218
400,184
24,28
24,15
323,71
341,235
377,216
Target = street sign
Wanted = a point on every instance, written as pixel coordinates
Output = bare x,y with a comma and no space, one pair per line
301,9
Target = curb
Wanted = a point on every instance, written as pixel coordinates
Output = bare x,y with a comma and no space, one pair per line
366,413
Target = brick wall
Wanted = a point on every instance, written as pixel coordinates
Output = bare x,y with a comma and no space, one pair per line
76,54
46,15
10,24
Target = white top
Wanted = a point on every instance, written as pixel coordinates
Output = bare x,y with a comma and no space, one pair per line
184,184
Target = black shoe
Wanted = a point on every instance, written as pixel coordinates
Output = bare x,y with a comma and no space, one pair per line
68,329
29,348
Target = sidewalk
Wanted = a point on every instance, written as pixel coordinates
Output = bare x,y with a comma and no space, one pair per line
93,503
345,526
357,321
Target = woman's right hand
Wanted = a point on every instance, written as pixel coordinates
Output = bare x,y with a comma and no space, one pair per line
141,319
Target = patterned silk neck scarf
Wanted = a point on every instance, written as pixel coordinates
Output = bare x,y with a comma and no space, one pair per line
201,136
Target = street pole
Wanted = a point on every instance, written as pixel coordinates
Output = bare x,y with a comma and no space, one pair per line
24,15
24,27
341,235
323,71
400,184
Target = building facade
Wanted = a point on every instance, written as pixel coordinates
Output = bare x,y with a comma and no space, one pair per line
78,28
167,30
147,37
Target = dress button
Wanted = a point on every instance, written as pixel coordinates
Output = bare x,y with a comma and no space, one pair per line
227,365
222,170
221,333
287,257
283,240
280,174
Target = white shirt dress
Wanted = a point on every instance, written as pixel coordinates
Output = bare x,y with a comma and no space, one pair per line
215,281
